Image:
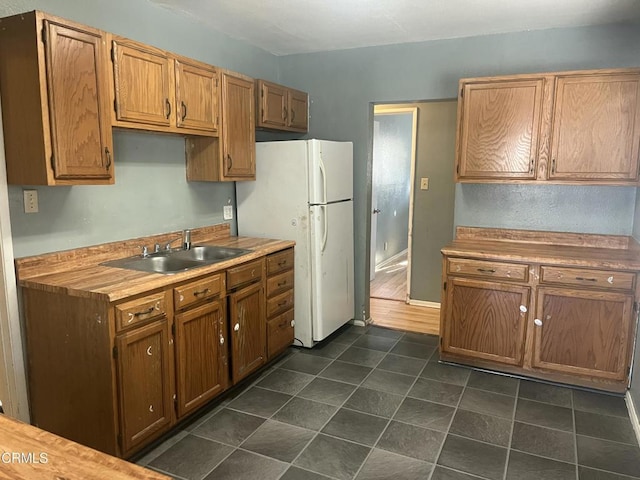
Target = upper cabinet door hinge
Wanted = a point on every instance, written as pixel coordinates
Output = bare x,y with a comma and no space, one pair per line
115,352
43,32
458,169
444,287
113,55
115,105
635,307
173,329
216,82
53,163
462,92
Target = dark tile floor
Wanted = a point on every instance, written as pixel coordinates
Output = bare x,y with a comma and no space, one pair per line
373,403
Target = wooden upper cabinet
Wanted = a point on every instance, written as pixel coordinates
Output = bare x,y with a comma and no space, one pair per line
281,108
499,129
142,83
583,332
55,102
238,132
156,90
196,96
273,103
579,127
485,320
596,128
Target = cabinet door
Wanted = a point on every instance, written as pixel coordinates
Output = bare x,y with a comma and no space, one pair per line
583,332
143,383
238,137
273,102
485,320
142,84
499,128
78,103
298,111
248,330
596,128
196,97
201,355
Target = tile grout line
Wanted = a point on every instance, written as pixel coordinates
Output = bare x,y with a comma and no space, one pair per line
513,426
575,436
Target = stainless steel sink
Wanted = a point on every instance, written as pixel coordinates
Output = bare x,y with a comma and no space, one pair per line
175,261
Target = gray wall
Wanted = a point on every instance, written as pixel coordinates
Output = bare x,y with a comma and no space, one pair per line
342,85
392,148
433,208
151,194
635,379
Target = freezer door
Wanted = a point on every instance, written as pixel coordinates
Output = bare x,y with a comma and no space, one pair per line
330,171
331,267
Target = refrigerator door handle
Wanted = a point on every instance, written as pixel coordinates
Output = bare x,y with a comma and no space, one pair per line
325,230
324,180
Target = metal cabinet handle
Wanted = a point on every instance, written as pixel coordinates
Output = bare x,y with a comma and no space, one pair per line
201,292
523,309
282,284
149,351
108,155
236,327
486,270
283,303
293,323
168,109
376,210
229,162
144,312
184,111
585,279
151,408
221,340
537,322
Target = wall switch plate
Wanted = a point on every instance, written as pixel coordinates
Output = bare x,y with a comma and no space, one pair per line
30,201
424,183
227,212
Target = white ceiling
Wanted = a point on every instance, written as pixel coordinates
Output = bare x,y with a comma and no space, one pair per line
285,27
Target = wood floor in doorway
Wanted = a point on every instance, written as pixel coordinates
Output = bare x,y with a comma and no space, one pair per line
390,281
401,316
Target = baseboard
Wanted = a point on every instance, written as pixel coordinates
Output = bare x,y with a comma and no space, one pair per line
633,415
390,260
361,323
423,303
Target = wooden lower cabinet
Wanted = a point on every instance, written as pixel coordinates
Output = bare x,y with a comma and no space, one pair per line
560,322
201,355
248,330
486,320
582,332
144,383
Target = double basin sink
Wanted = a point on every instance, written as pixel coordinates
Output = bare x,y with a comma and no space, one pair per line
175,261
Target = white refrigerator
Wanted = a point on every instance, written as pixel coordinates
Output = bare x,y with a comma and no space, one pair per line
304,192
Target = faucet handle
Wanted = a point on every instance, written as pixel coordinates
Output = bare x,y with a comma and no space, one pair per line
186,239
145,251
156,248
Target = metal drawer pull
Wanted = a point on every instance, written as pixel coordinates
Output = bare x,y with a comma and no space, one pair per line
236,327
538,322
149,351
282,263
221,340
139,314
151,408
201,292
486,270
293,323
283,303
584,279
523,309
282,284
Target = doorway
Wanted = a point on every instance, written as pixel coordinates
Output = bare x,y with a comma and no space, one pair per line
394,149
429,225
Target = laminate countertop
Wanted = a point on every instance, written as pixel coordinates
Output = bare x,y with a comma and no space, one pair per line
78,272
27,452
567,249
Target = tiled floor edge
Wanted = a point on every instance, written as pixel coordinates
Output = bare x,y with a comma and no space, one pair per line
634,414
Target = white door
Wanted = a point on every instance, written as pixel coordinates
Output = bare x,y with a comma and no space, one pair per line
331,267
330,171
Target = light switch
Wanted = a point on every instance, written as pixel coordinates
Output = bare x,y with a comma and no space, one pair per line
227,212
424,183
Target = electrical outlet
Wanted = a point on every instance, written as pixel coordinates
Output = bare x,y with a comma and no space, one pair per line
424,183
227,212
30,201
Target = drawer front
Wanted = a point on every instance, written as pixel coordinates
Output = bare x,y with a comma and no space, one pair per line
279,262
194,292
279,283
245,273
488,269
588,278
140,310
280,333
279,303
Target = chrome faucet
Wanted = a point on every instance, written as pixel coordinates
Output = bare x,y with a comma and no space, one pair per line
186,239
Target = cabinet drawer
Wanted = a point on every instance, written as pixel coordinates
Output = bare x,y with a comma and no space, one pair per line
279,262
245,273
279,283
280,333
140,310
482,268
195,291
280,303
588,278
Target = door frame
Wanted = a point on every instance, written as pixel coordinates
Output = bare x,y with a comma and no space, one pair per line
13,385
391,109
